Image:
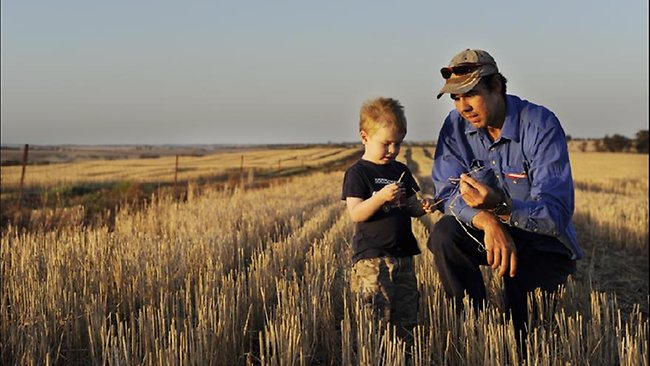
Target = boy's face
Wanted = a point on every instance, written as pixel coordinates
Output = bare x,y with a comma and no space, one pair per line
382,145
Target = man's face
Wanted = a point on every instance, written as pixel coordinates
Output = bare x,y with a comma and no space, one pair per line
479,106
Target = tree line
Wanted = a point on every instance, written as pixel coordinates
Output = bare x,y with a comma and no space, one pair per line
619,143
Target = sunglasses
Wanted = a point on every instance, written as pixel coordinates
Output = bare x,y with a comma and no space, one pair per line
461,69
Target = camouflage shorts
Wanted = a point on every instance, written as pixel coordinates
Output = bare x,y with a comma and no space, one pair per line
390,285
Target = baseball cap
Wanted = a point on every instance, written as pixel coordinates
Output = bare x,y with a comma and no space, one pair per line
465,71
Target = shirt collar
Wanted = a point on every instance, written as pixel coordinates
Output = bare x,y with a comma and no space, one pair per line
510,129
469,128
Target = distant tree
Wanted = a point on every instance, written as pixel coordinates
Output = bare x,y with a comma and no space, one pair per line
616,143
568,138
583,146
641,142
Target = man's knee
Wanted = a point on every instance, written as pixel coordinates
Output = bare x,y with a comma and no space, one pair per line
443,233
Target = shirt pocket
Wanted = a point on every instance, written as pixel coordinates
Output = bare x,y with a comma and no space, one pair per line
483,174
517,182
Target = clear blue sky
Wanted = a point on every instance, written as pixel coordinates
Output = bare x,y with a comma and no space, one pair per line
150,72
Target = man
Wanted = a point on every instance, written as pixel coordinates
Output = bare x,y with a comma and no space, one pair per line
501,169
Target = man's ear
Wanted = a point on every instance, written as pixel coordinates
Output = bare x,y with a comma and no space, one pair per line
497,85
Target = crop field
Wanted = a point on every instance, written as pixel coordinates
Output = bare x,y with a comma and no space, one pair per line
244,275
164,169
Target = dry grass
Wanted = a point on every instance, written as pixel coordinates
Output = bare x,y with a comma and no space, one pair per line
260,276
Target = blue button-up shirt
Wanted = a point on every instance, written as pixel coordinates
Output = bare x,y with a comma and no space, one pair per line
529,162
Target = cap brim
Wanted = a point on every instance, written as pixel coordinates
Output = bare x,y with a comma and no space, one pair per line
460,84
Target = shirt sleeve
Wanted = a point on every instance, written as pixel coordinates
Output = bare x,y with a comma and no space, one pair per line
550,206
354,185
450,162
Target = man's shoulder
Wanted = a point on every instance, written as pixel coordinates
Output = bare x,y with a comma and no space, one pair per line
454,124
523,105
533,116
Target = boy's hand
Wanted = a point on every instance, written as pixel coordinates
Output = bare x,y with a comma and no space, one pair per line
427,206
390,192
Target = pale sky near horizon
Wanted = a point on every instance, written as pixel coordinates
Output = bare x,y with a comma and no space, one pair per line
203,72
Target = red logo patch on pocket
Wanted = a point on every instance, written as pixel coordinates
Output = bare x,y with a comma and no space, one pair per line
516,175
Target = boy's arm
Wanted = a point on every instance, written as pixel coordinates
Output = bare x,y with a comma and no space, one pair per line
416,204
417,207
361,210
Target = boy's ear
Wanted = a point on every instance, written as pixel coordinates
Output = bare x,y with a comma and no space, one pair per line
364,136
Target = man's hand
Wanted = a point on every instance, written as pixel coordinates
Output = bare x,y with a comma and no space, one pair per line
478,195
501,250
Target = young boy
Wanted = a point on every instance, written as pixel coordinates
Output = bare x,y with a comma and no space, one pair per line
380,193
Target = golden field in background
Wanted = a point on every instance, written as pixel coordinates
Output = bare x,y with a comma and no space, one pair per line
164,168
231,275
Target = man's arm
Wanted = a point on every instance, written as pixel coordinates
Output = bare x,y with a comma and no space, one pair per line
501,250
550,206
450,162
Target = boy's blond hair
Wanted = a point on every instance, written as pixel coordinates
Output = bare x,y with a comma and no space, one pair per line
382,112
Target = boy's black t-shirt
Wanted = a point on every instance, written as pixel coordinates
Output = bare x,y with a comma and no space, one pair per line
388,231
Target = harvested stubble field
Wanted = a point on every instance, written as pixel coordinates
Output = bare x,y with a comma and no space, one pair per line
234,276
164,169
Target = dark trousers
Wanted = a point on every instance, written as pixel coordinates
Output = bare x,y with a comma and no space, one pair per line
458,257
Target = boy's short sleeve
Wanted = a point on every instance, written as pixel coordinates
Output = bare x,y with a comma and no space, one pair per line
412,183
354,185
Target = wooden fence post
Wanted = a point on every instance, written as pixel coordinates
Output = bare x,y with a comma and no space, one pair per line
176,172
241,171
22,175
